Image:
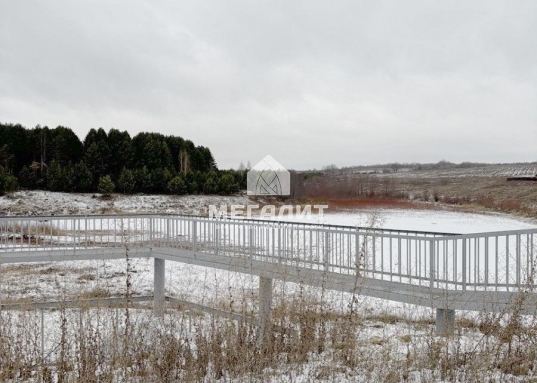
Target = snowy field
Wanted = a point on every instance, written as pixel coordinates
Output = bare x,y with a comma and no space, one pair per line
192,282
48,203
523,170
425,220
386,326
199,284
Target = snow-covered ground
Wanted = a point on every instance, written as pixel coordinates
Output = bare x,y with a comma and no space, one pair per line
522,170
45,281
198,284
48,203
424,220
227,290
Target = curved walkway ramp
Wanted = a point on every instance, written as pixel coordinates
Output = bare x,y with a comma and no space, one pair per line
445,271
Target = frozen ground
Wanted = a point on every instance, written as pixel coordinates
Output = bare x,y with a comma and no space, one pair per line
425,220
198,284
233,291
46,281
48,203
512,170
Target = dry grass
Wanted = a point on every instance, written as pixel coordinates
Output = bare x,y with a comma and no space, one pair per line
97,292
20,269
467,193
86,277
490,193
308,339
305,339
33,229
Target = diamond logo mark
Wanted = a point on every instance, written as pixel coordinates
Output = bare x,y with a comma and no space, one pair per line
268,177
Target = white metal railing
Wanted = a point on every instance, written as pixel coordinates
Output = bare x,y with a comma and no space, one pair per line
499,261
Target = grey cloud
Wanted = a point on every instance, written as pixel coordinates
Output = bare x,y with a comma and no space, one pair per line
310,83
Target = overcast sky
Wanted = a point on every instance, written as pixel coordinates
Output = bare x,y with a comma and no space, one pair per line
311,83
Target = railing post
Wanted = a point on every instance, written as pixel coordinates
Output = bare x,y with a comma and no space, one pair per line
217,237
251,242
150,232
265,308
167,230
73,228
357,251
432,271
326,250
463,264
194,235
518,261
486,263
158,286
373,253
279,243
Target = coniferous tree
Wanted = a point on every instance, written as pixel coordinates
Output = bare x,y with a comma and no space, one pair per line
83,177
143,180
56,159
69,177
2,181
116,142
106,185
226,184
8,183
55,180
210,186
65,145
127,182
177,185
27,178
92,159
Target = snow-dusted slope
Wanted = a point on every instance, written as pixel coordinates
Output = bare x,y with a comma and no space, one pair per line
46,203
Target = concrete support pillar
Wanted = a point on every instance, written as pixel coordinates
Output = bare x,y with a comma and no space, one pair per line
265,305
445,322
158,286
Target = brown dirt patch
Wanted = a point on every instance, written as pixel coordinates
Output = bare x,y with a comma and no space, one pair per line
340,204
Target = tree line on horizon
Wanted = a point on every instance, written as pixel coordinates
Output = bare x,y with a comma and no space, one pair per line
57,160
398,166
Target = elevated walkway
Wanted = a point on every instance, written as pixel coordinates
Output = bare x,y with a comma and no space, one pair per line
445,271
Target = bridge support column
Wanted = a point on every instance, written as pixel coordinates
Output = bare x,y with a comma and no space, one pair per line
445,322
265,307
158,286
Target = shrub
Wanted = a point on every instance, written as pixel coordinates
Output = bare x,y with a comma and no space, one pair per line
11,184
227,185
8,183
106,185
210,186
177,185
27,178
